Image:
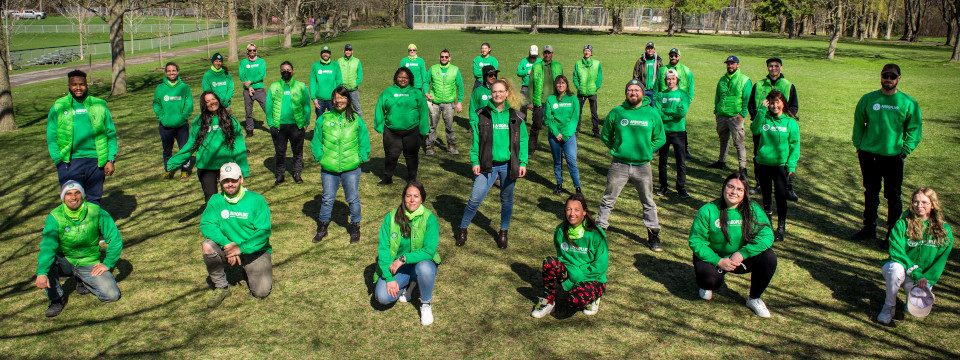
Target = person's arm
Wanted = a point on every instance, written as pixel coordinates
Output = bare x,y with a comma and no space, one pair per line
424,111
794,102
764,238
339,77
111,134
699,238
205,85
379,112
913,130
576,76
431,238
474,106
599,76
52,146
607,133
210,226
524,143
307,109
898,249
48,245
932,274
384,259
111,236
638,68
745,98
716,99
574,117
427,82
262,229
794,155
859,123
756,123
598,252
359,73
184,153
187,110
521,69
239,148
316,144
690,79
314,82
549,120
751,104
459,87
475,146
364,141
242,74
477,71
269,106
157,107
659,136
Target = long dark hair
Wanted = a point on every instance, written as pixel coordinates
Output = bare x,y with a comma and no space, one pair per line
400,218
557,91
777,95
348,111
589,224
749,226
405,70
225,121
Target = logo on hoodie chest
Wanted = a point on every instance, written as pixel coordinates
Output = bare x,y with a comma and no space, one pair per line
632,122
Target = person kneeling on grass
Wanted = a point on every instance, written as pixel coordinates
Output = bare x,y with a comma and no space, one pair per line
236,225
407,254
920,245
581,262
71,247
731,234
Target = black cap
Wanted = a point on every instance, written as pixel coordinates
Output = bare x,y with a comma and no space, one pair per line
891,69
774,59
634,82
348,47
650,44
674,51
489,69
216,57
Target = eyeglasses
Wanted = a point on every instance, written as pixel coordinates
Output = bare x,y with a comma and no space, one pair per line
889,76
444,57
734,188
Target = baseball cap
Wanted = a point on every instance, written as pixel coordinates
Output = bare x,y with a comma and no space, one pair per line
650,44
325,49
548,49
588,47
230,170
672,72
533,50
348,47
489,69
732,58
674,51
411,46
919,300
891,68
774,59
634,82
216,57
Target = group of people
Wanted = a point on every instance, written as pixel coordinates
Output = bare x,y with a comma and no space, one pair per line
730,234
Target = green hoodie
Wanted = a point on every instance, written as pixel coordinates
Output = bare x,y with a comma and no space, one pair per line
733,95
213,152
684,78
71,133
585,258
587,76
221,83
246,223
418,68
324,77
479,99
929,258
340,145
887,125
779,143
479,62
633,134
79,241
562,116
173,103
501,138
393,244
673,106
525,68
444,83
708,243
253,71
401,109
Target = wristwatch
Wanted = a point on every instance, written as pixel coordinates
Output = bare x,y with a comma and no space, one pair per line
402,258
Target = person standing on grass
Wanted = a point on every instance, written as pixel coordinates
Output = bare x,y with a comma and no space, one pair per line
684,82
920,245
543,75
587,78
401,115
407,254
253,70
777,154
673,105
581,262
731,235
217,138
480,97
352,73
173,105
632,132
646,69
81,138
219,81
525,69
444,93
71,247
289,103
416,65
730,108
886,128
774,81
482,61
561,114
340,144
499,151
324,77
236,228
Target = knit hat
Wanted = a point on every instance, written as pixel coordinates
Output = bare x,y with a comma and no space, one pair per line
216,57
71,185
230,170
634,82
411,46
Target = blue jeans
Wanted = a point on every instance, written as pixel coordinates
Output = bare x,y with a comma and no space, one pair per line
568,147
324,106
482,185
103,286
86,172
424,273
331,183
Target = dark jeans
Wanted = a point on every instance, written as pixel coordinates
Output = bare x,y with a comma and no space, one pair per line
167,135
678,140
877,169
402,141
104,286
283,134
86,172
593,112
581,294
260,96
777,175
209,180
324,106
535,128
762,265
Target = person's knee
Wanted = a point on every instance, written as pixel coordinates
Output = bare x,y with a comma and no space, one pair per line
207,248
261,292
382,297
426,268
110,294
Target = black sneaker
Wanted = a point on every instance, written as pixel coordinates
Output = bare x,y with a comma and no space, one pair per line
778,235
557,190
717,165
683,194
279,180
385,182
56,307
321,231
661,191
688,156
578,191
866,233
792,196
250,133
354,230
653,236
81,288
297,179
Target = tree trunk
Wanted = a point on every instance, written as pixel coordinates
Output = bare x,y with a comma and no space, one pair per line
255,15
560,17
783,24
875,31
950,29
234,54
118,83
891,13
837,29
289,16
616,19
7,121
861,22
792,28
303,32
534,12
956,48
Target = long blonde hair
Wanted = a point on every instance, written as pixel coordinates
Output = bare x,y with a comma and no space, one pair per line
936,230
515,98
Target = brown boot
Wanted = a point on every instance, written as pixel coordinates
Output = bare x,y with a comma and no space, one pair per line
452,149
461,237
429,151
502,239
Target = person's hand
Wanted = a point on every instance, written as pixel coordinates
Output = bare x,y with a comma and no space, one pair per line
246,84
429,97
476,170
316,103
790,173
108,169
523,171
559,137
529,106
274,131
393,289
737,259
765,103
459,107
923,283
99,269
726,264
42,282
250,90
395,266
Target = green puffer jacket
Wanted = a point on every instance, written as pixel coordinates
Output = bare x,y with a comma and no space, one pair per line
339,144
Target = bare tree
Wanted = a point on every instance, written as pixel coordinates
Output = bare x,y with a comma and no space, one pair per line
79,16
135,20
891,13
837,17
7,121
232,21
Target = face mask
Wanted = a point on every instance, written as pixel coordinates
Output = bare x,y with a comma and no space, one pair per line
286,75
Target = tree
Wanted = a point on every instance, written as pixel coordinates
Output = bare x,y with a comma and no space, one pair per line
291,10
135,19
232,29
837,17
616,8
7,121
79,16
891,13
913,15
946,8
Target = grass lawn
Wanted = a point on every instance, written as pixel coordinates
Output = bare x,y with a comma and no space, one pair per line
824,297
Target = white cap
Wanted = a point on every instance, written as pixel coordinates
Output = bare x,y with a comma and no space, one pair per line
533,50
230,170
672,72
919,301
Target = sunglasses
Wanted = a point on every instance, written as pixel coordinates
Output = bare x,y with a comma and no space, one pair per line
251,50
444,57
889,76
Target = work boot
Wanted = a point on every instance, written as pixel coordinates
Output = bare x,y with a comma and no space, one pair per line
868,232
321,231
717,165
250,133
279,179
297,179
577,189
354,231
429,151
653,236
502,239
385,181
184,175
452,149
461,237
661,191
167,175
781,229
557,190
56,307
217,296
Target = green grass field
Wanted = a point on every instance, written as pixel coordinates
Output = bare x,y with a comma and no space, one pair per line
824,298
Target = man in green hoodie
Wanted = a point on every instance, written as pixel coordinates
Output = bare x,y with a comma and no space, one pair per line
288,109
236,227
324,77
173,105
541,81
684,82
730,108
587,77
81,138
416,66
632,132
352,73
444,87
218,80
481,61
252,72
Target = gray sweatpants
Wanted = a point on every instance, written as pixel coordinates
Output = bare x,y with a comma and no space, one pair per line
642,178
256,265
260,96
727,128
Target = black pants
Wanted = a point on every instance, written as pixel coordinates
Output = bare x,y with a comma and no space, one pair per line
208,182
535,128
776,176
86,172
880,170
293,134
593,112
762,265
677,139
167,136
401,141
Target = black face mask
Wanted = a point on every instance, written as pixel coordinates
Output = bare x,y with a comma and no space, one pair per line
286,75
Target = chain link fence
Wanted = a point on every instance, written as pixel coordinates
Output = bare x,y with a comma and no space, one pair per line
104,29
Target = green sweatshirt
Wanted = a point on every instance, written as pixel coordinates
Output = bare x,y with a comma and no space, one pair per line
479,62
402,109
84,140
213,152
173,103
253,71
633,134
419,69
779,143
586,260
562,116
684,78
352,72
587,77
324,77
887,125
221,83
524,69
428,251
929,258
673,106
444,83
733,95
79,242
479,99
708,243
246,223
501,138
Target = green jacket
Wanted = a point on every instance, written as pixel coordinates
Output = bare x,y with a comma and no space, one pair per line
779,143
79,241
562,116
300,103
444,83
587,77
425,233
419,69
673,106
351,71
479,62
213,152
733,95
323,79
338,144
401,109
81,130
585,258
887,125
246,223
929,258
253,71
633,134
524,69
221,83
545,86
764,87
173,103
684,78
707,240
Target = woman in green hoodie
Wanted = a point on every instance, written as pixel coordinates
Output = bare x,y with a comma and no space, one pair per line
561,115
777,153
402,117
920,245
218,80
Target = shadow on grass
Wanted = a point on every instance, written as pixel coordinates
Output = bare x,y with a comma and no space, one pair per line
340,214
532,276
676,277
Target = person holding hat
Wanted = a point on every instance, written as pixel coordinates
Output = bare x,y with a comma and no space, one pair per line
684,82
673,105
444,93
71,247
632,132
587,78
481,61
774,81
730,109
525,69
289,103
324,77
646,69
777,154
352,73
81,137
402,116
253,70
218,80
920,245
173,105
236,229
544,73
416,66
886,128
561,115
480,97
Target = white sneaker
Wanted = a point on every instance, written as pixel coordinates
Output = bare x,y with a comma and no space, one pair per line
592,308
543,308
407,294
706,294
758,307
426,314
886,315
